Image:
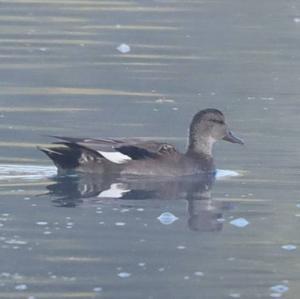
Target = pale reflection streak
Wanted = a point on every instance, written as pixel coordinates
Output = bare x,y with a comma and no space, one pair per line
73,2
41,295
20,90
74,65
45,109
131,27
34,19
166,57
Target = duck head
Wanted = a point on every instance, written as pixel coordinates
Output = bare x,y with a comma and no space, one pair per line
207,127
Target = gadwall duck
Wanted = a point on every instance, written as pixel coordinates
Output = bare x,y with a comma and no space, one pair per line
144,157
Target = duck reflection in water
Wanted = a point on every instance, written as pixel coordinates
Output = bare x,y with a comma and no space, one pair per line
204,214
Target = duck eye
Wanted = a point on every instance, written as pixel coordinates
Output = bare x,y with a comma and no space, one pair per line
221,122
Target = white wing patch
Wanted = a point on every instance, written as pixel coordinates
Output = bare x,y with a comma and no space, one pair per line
115,157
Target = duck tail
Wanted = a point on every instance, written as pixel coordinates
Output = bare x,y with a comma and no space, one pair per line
72,157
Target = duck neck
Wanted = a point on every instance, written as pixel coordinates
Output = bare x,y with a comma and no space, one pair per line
201,145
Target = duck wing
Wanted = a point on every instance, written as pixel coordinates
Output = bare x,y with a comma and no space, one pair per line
122,150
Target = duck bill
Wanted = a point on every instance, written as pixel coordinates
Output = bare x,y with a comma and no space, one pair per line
233,139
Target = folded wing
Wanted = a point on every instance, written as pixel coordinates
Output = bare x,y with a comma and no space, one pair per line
122,150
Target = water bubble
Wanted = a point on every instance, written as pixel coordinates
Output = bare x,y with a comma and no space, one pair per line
123,48
280,288
21,287
289,247
239,222
124,274
181,247
167,218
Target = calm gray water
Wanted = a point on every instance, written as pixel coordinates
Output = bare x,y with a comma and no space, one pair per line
60,73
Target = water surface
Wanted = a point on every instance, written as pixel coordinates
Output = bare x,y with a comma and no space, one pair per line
61,73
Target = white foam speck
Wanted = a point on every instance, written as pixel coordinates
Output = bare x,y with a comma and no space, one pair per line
198,273
181,247
235,295
239,222
297,20
124,274
42,223
21,287
97,289
120,223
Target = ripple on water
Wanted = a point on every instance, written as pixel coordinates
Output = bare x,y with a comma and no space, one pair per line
26,172
224,173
